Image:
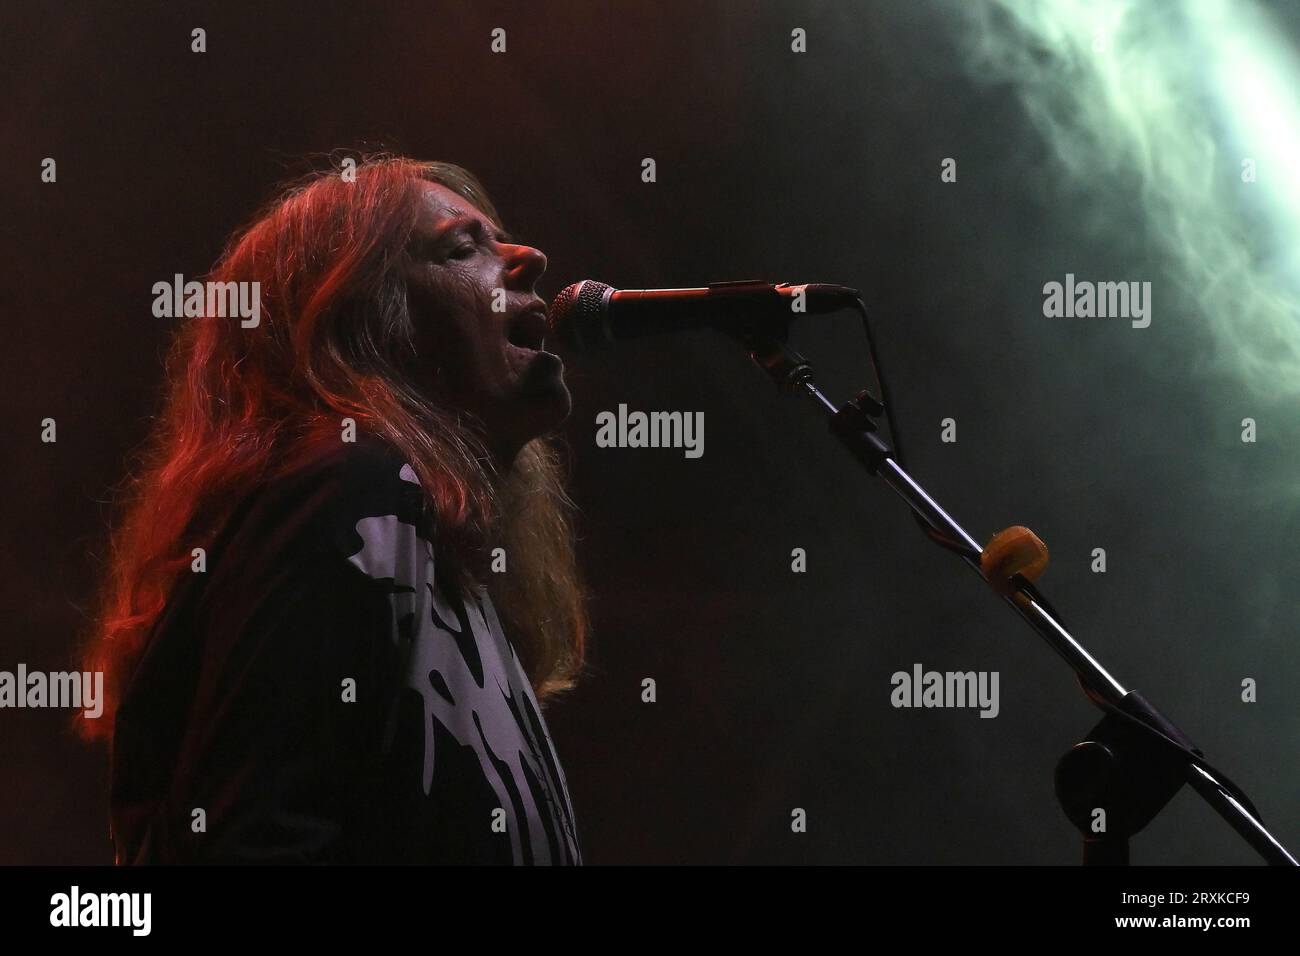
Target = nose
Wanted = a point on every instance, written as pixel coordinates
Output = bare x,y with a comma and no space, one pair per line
525,265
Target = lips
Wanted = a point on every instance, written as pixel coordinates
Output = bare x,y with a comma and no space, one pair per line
528,327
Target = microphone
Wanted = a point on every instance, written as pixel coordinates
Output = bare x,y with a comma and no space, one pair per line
591,315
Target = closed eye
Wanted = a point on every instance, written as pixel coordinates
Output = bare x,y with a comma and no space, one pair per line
472,235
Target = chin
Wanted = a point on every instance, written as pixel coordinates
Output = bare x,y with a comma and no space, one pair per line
554,406
542,401
566,408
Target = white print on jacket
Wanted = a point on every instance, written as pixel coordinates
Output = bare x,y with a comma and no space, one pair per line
478,715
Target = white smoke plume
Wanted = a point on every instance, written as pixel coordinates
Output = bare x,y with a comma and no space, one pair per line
1180,101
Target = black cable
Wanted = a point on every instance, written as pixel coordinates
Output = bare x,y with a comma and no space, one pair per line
1026,587
886,401
882,386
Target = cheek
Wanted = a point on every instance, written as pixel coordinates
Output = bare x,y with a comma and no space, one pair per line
448,308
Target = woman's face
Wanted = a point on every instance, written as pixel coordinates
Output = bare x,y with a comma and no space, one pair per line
479,322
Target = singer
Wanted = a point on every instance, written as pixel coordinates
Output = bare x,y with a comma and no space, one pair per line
344,575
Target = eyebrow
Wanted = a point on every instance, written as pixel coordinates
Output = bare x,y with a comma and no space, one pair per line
470,224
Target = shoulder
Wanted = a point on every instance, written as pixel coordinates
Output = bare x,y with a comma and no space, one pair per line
367,470
323,497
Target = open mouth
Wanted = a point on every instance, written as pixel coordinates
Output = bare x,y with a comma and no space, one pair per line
527,330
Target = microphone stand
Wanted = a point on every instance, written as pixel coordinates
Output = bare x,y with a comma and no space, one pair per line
1129,765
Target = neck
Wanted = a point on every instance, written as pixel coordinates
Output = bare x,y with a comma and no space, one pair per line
504,454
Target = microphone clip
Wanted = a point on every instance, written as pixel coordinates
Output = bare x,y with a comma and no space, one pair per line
786,367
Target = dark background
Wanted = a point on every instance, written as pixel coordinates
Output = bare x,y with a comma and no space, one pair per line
773,687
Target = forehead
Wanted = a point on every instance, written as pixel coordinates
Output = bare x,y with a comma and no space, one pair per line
439,204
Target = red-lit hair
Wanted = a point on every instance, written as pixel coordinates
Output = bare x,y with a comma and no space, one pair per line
335,340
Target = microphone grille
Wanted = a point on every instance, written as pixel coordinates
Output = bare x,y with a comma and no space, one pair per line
578,312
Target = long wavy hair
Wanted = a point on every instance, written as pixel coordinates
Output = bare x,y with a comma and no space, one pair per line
336,339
